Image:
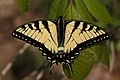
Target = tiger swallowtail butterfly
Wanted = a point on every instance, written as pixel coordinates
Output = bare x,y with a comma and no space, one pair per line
60,41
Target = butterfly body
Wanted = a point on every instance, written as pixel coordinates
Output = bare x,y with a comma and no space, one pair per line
61,31
60,41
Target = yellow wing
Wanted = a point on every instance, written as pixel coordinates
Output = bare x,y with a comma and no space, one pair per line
41,34
80,35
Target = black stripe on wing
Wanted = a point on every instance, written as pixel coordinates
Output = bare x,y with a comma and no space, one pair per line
97,33
87,44
29,40
18,33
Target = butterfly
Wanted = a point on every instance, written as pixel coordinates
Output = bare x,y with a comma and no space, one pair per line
60,41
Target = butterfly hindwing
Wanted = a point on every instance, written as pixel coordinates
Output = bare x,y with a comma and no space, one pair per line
80,35
60,41
41,34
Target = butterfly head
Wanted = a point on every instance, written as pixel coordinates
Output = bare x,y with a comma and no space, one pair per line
60,19
60,57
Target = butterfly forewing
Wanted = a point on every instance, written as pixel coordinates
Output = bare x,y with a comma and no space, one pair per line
80,35
60,41
44,34
41,34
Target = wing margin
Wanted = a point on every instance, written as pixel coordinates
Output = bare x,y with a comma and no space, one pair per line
35,29
95,35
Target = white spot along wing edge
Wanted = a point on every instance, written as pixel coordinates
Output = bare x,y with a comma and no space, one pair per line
39,33
82,36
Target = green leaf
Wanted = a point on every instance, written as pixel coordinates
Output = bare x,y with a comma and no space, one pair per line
67,71
81,65
23,4
101,53
98,10
71,13
83,11
57,9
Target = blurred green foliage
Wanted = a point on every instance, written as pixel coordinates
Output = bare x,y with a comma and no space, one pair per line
87,10
23,4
